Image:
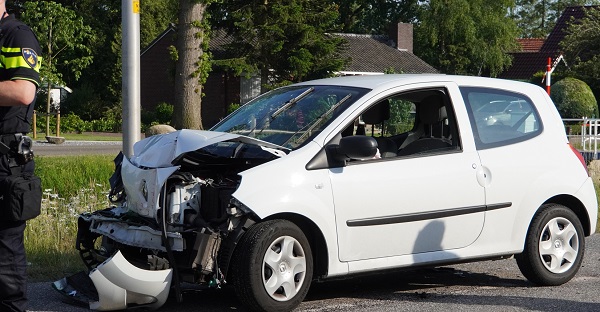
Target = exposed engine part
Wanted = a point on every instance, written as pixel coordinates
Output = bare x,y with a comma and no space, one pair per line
158,263
138,236
184,200
207,247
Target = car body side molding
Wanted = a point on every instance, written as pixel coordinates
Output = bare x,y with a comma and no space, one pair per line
426,216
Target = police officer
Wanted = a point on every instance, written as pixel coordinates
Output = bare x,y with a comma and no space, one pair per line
19,79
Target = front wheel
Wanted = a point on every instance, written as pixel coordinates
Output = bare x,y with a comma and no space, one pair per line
272,266
554,246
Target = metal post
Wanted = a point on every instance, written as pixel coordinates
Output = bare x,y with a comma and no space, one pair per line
131,74
584,132
595,121
548,74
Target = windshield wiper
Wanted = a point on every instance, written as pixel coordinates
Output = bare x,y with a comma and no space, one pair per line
280,110
308,131
291,102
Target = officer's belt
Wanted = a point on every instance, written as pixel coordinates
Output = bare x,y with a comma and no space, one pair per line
6,141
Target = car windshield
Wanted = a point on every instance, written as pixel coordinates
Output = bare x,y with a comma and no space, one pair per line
290,116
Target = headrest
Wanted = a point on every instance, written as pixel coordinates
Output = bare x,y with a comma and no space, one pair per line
377,114
432,109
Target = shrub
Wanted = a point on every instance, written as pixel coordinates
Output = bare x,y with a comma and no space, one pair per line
85,103
574,98
164,113
73,123
232,108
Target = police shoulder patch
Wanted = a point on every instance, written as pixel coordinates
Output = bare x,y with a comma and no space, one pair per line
30,57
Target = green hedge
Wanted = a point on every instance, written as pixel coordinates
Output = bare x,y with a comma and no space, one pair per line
574,98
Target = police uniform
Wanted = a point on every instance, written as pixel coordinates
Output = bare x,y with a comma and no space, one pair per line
19,60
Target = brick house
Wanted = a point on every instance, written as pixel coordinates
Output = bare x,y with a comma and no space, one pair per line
534,54
369,54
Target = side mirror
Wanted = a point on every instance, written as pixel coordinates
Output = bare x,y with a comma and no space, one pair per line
352,147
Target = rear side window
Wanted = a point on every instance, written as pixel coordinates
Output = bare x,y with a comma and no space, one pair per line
499,117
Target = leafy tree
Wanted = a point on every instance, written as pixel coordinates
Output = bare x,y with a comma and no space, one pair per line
582,48
285,41
536,18
63,38
467,37
104,75
100,82
574,98
375,16
155,17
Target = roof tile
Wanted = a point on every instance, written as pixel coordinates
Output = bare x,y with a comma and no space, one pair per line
371,53
526,63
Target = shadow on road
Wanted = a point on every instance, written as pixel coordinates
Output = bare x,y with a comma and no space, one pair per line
413,282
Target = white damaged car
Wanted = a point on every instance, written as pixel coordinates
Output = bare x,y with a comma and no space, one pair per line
333,177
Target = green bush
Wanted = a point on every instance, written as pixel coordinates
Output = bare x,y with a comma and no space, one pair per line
73,123
574,98
164,113
41,122
85,103
110,120
232,107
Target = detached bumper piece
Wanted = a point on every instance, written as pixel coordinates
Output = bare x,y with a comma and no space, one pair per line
121,285
118,285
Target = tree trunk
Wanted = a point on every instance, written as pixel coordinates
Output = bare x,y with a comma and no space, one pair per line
188,90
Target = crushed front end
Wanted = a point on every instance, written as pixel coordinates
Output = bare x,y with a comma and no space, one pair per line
173,213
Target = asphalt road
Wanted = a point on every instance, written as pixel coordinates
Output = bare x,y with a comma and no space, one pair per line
483,286
72,148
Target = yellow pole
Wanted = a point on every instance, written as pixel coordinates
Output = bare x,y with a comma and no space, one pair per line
58,123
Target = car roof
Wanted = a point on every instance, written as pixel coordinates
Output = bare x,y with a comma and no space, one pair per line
383,80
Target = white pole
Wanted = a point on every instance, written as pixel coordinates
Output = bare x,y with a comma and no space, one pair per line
131,74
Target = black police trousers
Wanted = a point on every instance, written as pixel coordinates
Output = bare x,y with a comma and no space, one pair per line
13,267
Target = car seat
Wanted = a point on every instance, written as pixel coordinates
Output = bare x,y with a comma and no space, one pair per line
376,115
432,116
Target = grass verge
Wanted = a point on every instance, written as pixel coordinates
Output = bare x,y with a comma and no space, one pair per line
72,185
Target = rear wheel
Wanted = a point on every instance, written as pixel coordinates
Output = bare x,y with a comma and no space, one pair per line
554,246
272,266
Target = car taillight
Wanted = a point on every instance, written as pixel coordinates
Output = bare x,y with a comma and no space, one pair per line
578,154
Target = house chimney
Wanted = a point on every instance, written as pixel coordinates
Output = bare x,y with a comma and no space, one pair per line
402,36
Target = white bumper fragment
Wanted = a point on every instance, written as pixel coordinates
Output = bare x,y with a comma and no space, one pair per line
121,284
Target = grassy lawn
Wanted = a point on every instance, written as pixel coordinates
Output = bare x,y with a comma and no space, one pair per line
50,238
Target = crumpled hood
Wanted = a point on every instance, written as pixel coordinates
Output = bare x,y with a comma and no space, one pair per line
159,151
145,173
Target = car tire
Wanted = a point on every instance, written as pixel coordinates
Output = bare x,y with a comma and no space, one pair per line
272,266
554,246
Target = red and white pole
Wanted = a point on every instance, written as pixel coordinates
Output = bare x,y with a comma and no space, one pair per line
548,73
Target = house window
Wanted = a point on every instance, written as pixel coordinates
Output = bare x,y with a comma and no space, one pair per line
249,88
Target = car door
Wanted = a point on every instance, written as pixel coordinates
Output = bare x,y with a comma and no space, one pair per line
429,200
509,146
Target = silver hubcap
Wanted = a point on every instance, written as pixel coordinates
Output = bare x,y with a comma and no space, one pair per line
559,245
284,268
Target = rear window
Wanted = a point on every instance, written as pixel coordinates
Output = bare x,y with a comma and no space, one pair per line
499,117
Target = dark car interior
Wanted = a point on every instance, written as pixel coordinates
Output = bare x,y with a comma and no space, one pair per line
413,123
